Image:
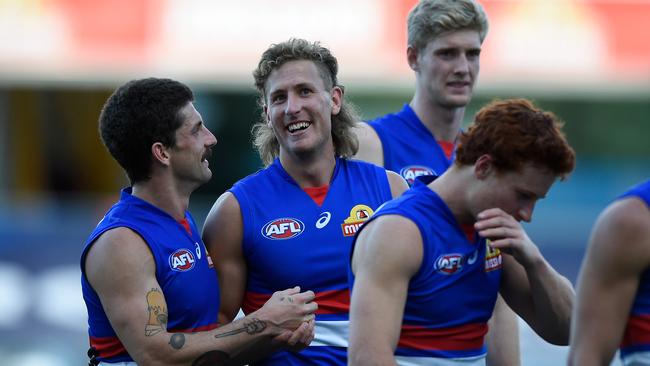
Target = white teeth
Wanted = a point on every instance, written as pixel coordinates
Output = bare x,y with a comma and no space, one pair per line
297,126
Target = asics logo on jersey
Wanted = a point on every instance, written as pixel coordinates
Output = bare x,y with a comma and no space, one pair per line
181,260
198,250
284,228
323,220
472,258
449,264
409,173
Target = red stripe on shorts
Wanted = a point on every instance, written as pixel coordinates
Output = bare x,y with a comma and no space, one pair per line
464,337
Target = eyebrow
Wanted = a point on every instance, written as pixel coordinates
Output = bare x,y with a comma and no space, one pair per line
526,191
197,125
307,84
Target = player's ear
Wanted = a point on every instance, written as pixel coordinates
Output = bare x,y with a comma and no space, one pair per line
412,58
265,108
160,153
337,99
484,166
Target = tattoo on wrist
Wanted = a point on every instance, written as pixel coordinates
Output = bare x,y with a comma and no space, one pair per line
212,358
177,340
251,326
157,309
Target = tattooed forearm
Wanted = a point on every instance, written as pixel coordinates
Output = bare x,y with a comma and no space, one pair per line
251,326
212,358
157,313
177,340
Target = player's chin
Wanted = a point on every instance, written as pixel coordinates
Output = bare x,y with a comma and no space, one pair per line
458,100
206,176
302,147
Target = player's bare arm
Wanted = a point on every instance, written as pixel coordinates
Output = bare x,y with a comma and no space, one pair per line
382,273
370,148
223,235
530,286
121,270
608,281
397,184
502,338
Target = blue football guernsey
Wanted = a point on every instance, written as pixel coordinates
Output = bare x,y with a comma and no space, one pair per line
183,269
635,347
289,240
451,297
409,147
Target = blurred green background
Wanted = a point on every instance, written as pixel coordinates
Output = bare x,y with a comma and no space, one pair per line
51,144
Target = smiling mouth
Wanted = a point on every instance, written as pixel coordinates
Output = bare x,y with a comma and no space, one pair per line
458,84
298,126
207,155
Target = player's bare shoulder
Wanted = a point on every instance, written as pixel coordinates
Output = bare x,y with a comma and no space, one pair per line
623,231
223,228
117,254
370,147
397,184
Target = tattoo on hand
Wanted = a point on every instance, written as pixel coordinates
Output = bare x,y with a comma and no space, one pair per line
177,340
251,326
157,313
212,358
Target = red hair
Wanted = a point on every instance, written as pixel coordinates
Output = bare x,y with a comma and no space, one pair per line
515,132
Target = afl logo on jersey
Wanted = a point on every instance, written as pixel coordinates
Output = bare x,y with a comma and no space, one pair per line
449,264
181,260
285,228
413,171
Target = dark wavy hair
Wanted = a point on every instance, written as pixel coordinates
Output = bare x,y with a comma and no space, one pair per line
138,114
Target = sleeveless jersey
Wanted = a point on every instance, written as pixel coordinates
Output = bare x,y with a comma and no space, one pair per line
184,271
289,240
452,295
409,147
635,347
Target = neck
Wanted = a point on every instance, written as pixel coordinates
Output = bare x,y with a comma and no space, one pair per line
167,196
443,122
453,187
309,171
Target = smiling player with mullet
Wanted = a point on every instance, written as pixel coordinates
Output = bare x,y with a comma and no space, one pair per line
293,222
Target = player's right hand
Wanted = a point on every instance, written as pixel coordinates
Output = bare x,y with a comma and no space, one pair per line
289,308
299,339
507,234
